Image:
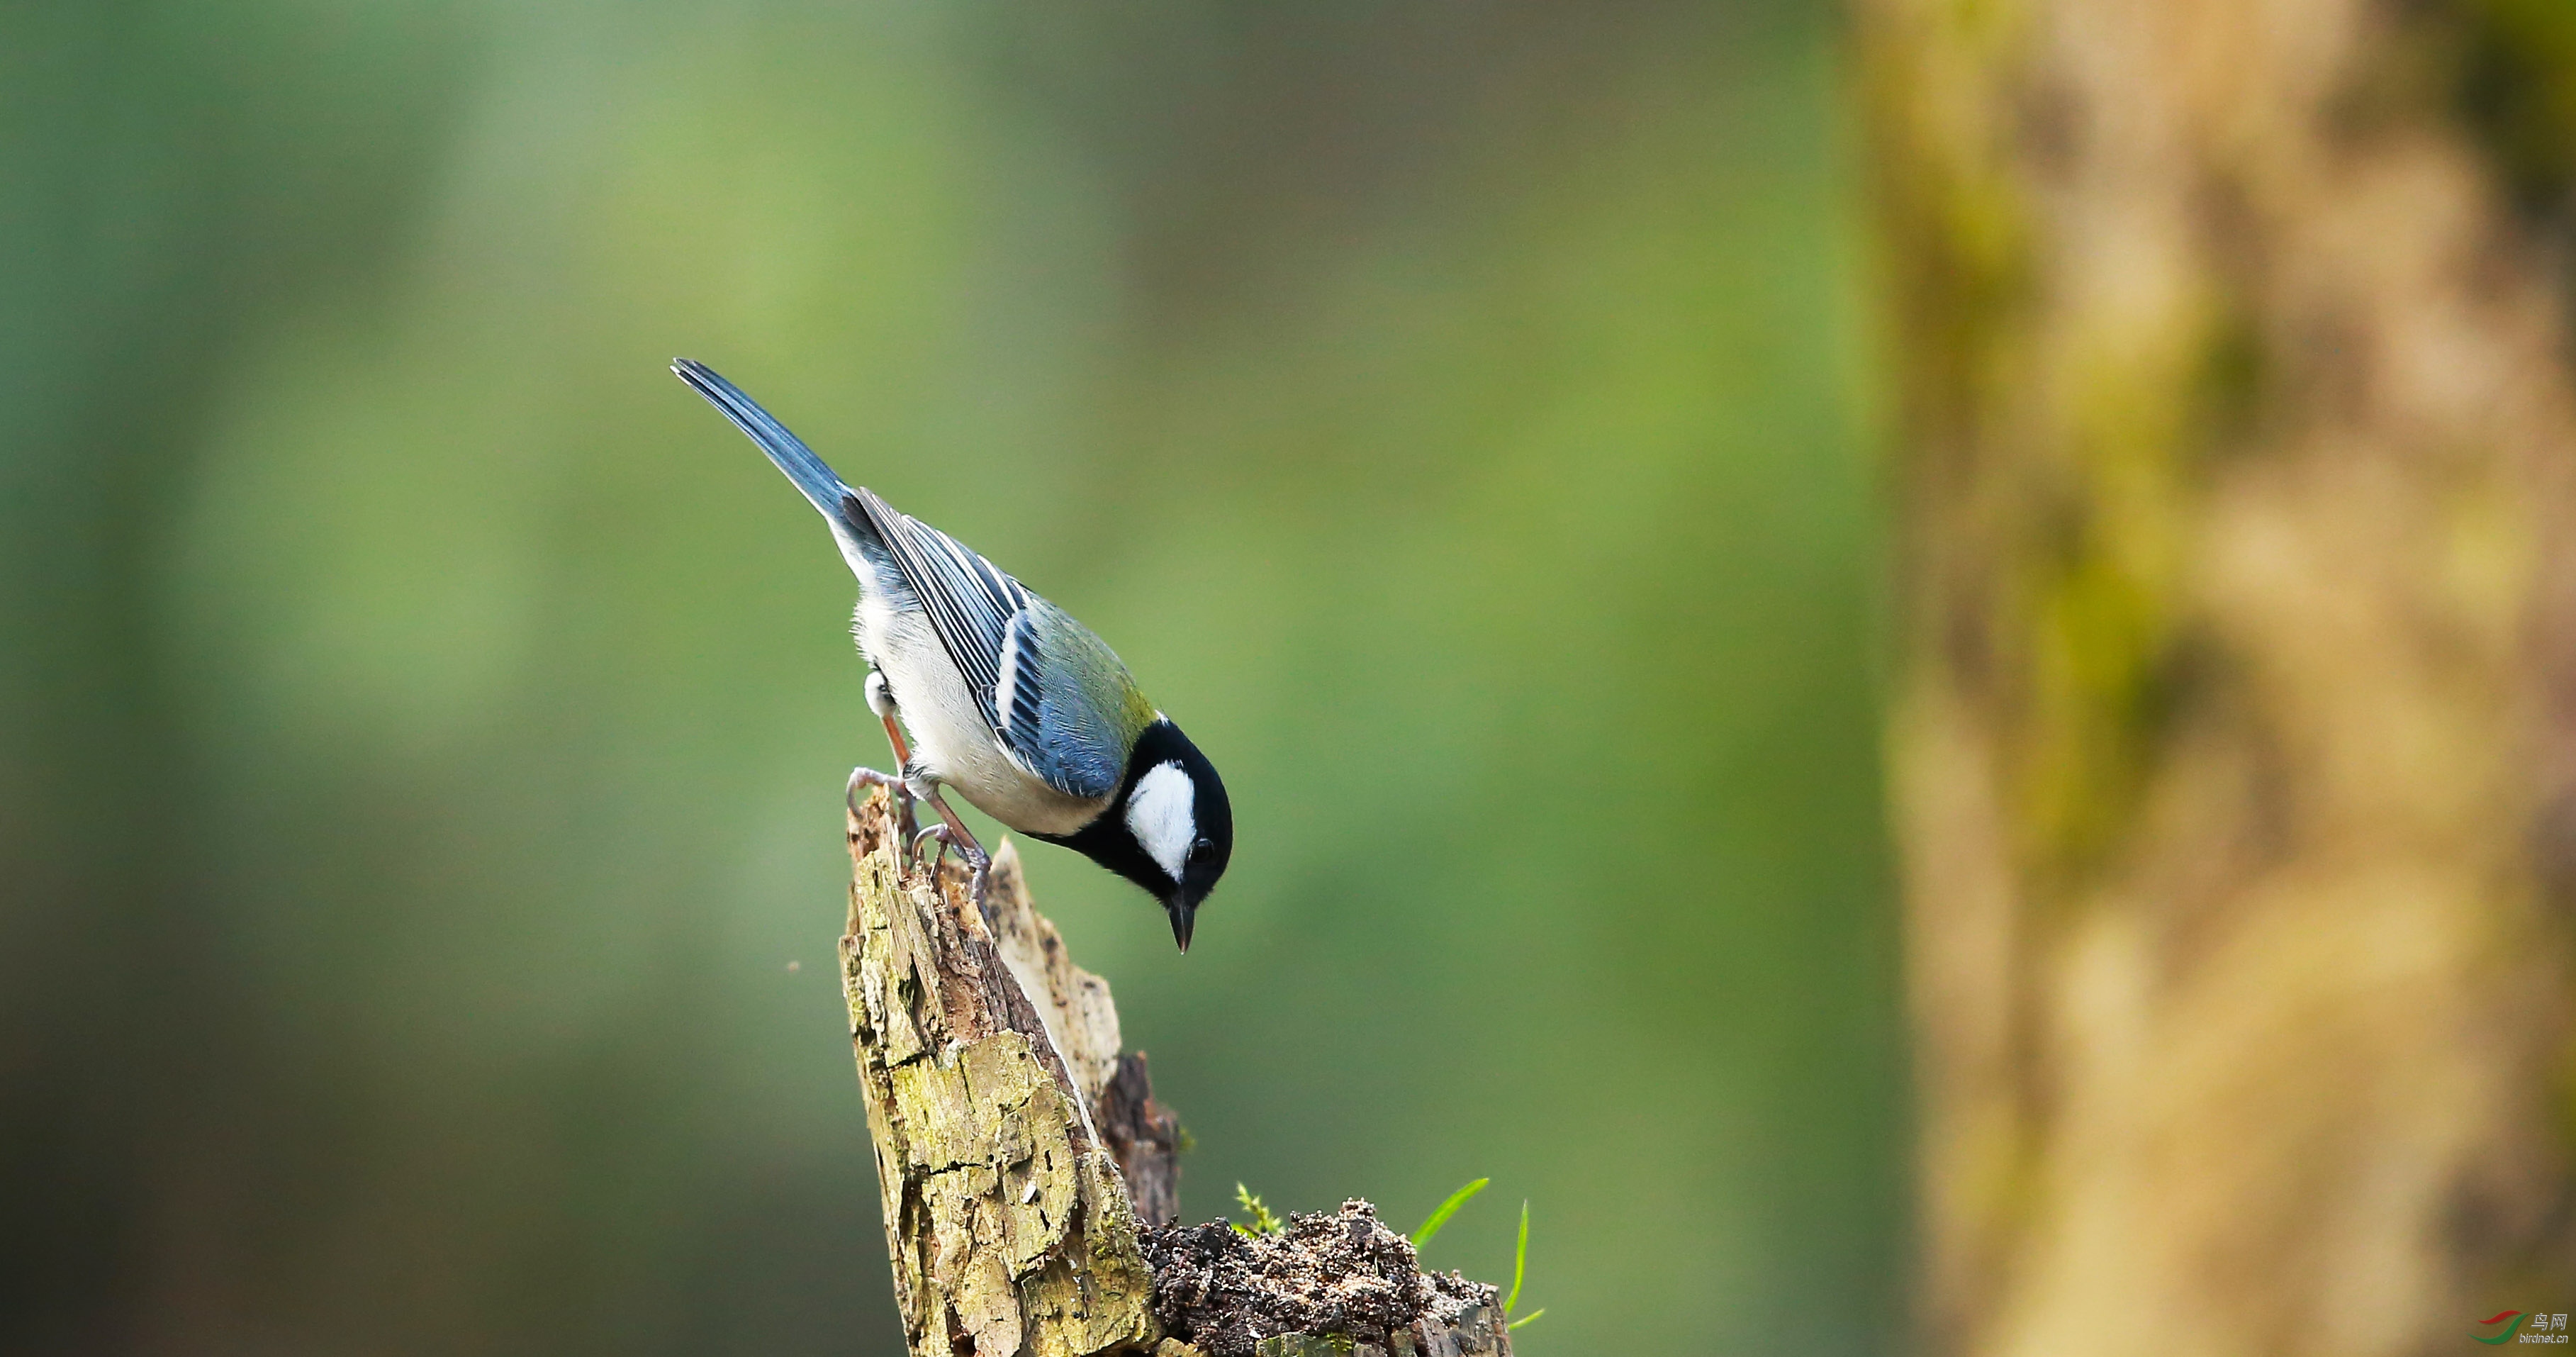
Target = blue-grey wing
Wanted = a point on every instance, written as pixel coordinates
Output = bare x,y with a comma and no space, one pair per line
1029,667
969,601
1066,702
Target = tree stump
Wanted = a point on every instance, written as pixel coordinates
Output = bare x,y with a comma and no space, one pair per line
1024,1167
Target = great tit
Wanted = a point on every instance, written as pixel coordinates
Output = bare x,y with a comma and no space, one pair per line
1023,710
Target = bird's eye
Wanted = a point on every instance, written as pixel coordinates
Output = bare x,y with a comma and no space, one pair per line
1202,848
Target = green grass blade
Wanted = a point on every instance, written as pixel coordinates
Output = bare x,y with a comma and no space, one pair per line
1525,1319
1520,1260
1447,1209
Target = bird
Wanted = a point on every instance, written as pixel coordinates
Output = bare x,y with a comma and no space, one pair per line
1010,701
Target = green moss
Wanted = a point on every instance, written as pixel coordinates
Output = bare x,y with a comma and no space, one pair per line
1257,1218
2234,371
2088,727
1960,276
2097,596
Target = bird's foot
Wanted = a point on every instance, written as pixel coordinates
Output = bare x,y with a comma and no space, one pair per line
870,777
952,833
904,821
938,834
972,853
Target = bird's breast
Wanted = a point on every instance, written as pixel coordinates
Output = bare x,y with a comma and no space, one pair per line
951,743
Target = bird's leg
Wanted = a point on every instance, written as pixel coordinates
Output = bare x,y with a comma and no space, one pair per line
952,833
903,795
881,701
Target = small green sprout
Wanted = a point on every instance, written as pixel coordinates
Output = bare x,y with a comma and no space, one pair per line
1440,1216
1259,1219
1520,1264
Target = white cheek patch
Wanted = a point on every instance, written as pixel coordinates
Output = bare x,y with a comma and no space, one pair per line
1160,815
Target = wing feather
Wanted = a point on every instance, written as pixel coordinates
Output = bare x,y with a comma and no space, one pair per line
1040,705
969,602
1075,725
1019,695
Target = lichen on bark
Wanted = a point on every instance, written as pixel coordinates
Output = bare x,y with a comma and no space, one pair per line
1007,1219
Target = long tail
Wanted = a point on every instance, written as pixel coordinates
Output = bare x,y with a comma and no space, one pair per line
840,508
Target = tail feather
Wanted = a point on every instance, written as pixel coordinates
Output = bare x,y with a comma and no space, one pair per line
787,450
824,490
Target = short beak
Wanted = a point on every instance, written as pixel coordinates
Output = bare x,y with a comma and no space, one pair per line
1184,918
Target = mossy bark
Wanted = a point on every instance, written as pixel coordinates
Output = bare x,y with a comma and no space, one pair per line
1007,1218
2232,751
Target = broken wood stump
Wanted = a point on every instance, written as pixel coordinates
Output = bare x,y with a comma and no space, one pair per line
1029,1180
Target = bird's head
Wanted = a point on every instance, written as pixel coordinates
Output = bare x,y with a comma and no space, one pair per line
1170,828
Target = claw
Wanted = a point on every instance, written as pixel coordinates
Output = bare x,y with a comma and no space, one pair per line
904,821
953,833
870,777
860,777
938,832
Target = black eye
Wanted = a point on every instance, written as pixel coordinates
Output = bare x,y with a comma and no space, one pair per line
1202,848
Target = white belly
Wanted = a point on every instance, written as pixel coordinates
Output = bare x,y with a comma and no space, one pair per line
951,745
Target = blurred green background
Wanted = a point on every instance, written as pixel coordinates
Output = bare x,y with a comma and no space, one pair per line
423,722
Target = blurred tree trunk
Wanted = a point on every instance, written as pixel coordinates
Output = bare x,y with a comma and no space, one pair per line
2234,745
